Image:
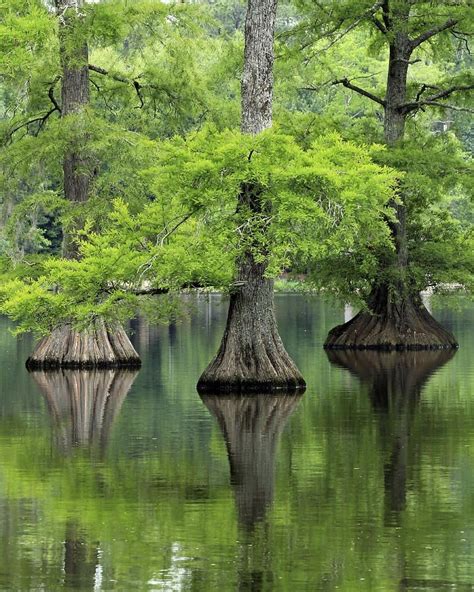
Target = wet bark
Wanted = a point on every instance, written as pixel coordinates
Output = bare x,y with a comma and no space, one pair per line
395,382
98,346
251,427
396,318
101,345
252,356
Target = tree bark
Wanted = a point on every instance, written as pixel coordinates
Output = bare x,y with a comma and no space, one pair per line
101,345
252,356
74,100
396,317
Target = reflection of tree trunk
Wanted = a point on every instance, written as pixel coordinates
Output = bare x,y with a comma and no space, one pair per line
84,405
395,381
251,427
80,559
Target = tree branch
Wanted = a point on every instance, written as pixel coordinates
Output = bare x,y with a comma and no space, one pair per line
407,107
52,98
447,106
138,86
380,26
41,119
346,82
432,32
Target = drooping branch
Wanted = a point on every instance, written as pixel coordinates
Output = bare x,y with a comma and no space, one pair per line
432,32
41,119
348,84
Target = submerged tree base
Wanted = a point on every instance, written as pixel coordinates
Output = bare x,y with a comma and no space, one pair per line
251,357
402,325
99,346
262,367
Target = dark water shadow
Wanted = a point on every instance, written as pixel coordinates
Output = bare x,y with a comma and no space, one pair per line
395,381
83,405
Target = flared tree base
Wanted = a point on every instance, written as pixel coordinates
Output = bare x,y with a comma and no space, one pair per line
99,346
260,368
387,325
251,357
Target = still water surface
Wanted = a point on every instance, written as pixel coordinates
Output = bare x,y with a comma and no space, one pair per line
131,481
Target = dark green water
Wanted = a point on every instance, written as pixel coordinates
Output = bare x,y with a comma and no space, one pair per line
124,482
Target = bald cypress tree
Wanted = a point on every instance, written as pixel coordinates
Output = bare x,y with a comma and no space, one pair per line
395,317
100,345
252,355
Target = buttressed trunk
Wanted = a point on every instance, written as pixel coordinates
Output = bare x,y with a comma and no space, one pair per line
100,345
252,356
396,317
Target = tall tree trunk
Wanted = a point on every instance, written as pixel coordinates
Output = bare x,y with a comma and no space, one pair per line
396,317
100,345
252,355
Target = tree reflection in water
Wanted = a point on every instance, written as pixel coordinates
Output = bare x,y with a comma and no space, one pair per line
395,381
83,405
251,426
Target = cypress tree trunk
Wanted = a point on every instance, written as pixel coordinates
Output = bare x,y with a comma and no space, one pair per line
252,355
100,345
396,317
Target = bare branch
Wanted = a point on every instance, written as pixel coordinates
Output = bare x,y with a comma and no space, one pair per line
41,119
417,104
137,85
432,32
380,26
353,25
346,82
52,98
447,106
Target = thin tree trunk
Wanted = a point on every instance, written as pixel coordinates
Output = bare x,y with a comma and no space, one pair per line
252,355
396,317
101,345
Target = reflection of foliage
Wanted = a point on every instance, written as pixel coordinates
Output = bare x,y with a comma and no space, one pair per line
159,502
